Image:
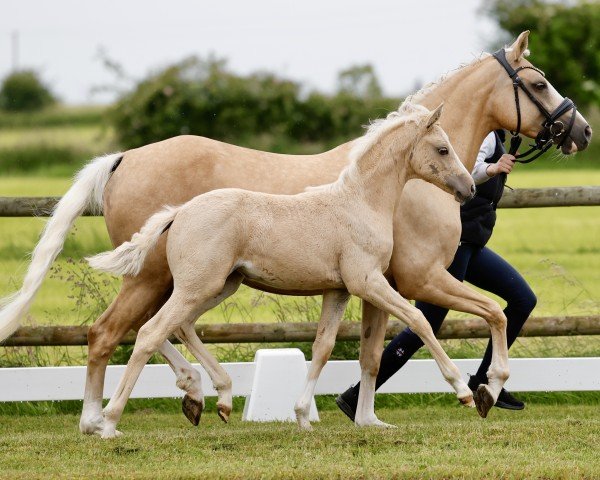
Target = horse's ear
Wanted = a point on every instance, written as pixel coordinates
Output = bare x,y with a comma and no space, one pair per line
434,116
519,48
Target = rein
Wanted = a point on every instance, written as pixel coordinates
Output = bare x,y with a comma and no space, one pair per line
552,127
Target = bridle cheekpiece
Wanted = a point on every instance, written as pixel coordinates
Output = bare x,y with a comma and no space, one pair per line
552,127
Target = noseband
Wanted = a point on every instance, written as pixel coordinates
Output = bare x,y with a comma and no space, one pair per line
552,127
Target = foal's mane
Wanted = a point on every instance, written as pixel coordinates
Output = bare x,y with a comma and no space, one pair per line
407,113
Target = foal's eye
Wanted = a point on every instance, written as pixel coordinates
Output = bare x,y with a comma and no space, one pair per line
540,86
443,151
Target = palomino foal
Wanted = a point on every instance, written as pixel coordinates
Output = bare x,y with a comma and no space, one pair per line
336,239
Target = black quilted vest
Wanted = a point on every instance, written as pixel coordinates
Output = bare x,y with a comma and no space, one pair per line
478,216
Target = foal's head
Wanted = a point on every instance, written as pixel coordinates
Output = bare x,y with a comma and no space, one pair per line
432,157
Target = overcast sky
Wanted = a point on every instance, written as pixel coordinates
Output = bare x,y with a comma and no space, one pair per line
306,40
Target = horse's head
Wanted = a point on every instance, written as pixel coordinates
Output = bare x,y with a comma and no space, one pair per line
433,159
544,114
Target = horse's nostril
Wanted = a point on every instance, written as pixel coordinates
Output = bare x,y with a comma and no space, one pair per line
587,133
473,189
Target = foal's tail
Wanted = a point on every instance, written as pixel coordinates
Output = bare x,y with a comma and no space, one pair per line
129,257
86,192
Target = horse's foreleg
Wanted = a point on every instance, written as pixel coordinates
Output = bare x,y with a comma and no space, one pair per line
445,290
135,302
374,323
377,291
332,311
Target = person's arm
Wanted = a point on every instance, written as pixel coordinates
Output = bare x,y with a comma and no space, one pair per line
480,173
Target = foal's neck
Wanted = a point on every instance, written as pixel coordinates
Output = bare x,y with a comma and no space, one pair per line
466,118
379,175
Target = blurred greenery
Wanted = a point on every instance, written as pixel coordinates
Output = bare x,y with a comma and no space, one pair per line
24,91
201,96
566,41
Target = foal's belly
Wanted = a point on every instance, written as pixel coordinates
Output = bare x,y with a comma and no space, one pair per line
288,277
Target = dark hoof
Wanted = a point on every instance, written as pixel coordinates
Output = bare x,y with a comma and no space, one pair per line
484,400
192,409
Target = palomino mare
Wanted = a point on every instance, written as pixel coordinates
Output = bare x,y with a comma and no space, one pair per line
478,98
336,239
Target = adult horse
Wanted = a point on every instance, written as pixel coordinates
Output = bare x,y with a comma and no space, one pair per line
478,97
336,239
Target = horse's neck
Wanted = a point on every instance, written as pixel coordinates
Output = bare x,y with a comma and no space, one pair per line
466,118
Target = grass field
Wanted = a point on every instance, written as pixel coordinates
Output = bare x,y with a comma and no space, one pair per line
432,441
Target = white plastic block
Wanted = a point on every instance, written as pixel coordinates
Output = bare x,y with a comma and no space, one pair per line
279,378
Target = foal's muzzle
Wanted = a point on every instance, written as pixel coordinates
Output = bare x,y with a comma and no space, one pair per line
462,197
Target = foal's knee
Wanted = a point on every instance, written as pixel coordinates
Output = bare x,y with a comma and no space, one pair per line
496,317
418,324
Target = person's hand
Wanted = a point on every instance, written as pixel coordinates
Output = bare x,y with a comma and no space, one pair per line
504,165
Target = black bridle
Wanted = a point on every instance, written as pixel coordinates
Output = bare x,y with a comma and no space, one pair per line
552,127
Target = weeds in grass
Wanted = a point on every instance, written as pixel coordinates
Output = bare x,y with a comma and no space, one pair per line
91,294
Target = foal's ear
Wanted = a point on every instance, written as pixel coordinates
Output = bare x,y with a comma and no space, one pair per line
519,48
434,116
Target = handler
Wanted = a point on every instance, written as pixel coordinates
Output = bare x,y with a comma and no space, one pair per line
476,264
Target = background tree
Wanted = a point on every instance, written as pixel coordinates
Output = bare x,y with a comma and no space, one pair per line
359,80
24,91
565,39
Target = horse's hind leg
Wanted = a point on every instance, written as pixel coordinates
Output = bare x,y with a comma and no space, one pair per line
374,322
445,290
138,298
187,335
332,311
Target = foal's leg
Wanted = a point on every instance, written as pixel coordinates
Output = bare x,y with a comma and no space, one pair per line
332,311
188,380
374,323
377,291
181,308
220,378
445,290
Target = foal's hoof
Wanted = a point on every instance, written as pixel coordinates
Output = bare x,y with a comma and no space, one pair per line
484,400
223,411
192,409
467,401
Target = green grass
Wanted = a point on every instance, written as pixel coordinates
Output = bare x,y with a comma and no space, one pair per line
432,441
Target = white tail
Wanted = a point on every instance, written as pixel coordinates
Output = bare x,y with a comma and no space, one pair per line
129,257
87,191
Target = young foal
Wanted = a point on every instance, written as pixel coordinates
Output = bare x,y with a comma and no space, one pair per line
330,239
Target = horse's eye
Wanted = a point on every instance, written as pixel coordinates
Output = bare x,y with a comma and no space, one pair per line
540,86
443,151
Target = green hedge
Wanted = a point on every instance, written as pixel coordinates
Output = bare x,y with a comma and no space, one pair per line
204,98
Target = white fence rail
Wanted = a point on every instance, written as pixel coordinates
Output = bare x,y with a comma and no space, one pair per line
418,376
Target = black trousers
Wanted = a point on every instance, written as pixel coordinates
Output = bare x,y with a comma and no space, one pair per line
485,269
